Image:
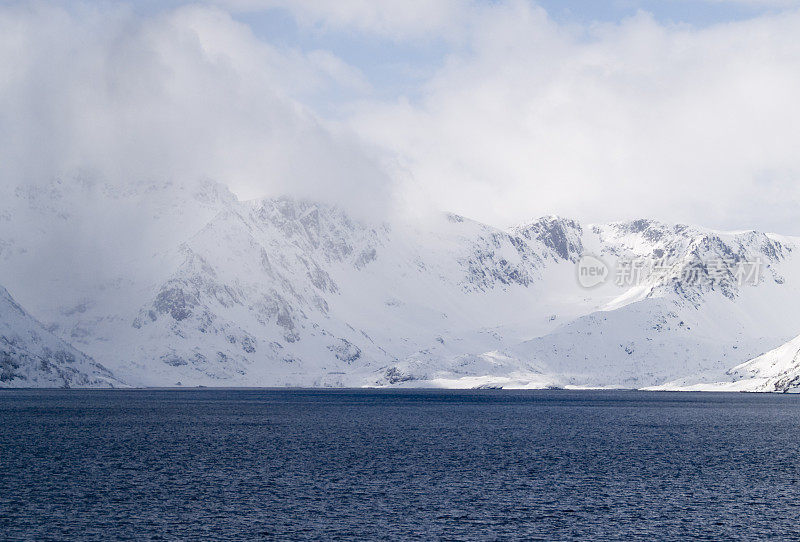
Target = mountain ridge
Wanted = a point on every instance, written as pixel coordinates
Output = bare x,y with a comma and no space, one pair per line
279,291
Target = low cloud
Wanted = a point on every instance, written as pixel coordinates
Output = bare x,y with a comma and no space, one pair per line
526,116
179,95
607,121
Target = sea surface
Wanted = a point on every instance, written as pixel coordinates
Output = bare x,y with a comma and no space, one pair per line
397,465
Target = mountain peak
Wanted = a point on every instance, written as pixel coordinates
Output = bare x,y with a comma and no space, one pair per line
561,235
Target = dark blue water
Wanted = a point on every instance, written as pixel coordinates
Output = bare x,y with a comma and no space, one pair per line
218,464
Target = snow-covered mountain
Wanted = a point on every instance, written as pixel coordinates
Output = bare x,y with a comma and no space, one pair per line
665,326
30,356
775,371
206,289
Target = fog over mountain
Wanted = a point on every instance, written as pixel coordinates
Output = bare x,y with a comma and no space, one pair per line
234,193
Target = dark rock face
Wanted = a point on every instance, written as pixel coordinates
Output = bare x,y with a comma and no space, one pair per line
638,226
366,256
787,383
486,268
562,236
9,366
393,375
650,230
345,351
174,360
248,345
454,218
175,302
329,233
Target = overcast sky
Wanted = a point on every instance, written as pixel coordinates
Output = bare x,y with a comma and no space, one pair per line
682,110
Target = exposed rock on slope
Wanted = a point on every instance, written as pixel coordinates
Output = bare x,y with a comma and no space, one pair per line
30,356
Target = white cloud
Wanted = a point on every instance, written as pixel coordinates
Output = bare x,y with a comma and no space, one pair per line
607,122
526,117
180,95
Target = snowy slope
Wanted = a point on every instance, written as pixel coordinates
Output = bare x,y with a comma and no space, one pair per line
775,371
656,331
666,327
206,289
30,356
303,295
